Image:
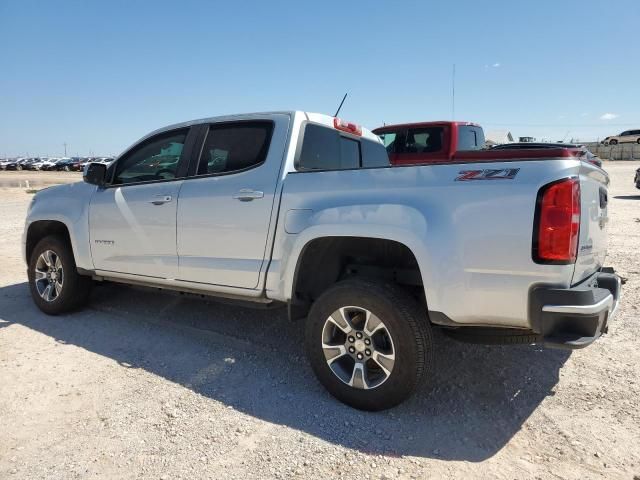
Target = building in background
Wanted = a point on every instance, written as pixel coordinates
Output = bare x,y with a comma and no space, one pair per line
498,137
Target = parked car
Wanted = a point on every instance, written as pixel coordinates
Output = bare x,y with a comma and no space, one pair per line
31,164
578,150
429,142
37,165
637,178
304,210
628,136
16,164
49,164
78,164
63,164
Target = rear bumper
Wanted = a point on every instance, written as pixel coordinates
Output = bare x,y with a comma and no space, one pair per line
575,317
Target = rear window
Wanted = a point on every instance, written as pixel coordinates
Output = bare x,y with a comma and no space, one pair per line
324,148
234,147
349,153
470,138
422,140
373,154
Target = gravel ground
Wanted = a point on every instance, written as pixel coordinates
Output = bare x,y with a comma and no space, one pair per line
143,384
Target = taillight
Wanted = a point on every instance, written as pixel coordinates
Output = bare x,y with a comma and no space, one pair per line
557,224
348,127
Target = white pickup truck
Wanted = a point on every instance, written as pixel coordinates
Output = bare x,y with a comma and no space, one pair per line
304,210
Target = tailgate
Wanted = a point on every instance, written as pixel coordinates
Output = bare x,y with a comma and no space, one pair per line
592,245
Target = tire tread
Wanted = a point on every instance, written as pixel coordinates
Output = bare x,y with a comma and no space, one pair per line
408,310
77,287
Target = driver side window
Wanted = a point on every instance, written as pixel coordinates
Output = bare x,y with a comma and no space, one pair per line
155,159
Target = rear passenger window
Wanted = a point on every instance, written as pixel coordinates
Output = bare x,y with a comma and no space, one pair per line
235,147
349,153
324,148
373,154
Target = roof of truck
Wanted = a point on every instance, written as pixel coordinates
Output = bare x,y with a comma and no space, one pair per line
311,116
436,123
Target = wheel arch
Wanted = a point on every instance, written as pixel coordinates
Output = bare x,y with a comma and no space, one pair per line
40,229
322,260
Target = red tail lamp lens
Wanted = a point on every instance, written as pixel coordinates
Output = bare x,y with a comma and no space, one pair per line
558,222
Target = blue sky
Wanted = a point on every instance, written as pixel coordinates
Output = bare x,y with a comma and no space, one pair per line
99,75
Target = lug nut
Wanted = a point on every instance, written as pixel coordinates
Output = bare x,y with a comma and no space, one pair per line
359,334
351,339
352,350
360,356
368,352
367,341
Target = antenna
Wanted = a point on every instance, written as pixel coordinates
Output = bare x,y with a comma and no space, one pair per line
453,93
343,99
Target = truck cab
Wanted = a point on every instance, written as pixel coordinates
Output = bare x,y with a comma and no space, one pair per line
429,142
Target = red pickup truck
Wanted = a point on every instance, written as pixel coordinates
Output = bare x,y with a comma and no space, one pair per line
459,142
429,142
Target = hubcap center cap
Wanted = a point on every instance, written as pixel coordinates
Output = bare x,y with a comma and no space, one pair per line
359,345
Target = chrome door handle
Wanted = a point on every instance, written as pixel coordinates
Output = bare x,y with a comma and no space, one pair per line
246,195
161,199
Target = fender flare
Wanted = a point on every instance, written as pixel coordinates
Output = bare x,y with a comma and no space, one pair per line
391,233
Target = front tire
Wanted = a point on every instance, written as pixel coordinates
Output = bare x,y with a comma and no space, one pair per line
56,287
613,142
369,343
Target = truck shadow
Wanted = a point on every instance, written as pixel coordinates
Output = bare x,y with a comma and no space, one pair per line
253,360
627,197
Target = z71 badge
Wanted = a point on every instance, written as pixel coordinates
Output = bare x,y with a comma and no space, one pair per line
488,174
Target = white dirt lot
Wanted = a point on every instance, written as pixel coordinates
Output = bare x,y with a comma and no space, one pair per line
143,384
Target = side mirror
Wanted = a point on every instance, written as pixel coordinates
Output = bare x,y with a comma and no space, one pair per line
95,173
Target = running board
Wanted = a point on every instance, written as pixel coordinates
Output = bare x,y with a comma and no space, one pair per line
253,302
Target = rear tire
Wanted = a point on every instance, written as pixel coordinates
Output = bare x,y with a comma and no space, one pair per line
66,295
405,331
